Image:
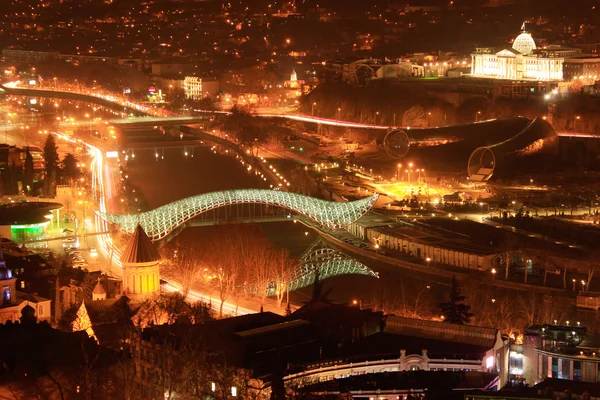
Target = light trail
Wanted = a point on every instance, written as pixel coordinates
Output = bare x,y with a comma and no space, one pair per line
327,121
105,242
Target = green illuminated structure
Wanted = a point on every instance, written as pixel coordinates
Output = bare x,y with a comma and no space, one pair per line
322,262
161,221
23,233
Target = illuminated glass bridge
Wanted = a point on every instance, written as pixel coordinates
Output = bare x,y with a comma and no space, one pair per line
161,221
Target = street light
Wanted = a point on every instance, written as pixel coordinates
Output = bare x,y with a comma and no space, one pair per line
582,285
357,303
398,166
313,109
477,116
577,118
494,273
574,282
428,259
339,110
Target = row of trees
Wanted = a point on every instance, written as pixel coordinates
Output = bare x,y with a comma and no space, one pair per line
234,261
470,303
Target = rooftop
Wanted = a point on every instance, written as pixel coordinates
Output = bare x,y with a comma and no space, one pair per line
26,213
139,249
445,331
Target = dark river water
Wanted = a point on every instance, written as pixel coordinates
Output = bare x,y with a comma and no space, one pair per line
177,176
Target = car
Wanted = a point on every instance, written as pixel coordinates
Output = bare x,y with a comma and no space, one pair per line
93,252
80,265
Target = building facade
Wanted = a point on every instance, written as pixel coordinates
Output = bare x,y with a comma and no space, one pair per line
141,273
556,351
583,68
521,62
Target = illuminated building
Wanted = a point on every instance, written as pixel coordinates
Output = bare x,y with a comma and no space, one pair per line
141,274
27,221
196,88
582,68
192,86
521,62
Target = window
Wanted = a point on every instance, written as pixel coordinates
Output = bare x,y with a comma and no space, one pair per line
6,296
577,370
22,284
40,311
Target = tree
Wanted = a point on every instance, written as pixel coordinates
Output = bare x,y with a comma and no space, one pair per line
69,168
183,267
261,262
224,262
510,244
51,158
284,269
454,310
28,172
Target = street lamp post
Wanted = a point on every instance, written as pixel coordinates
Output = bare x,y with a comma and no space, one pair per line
574,282
357,303
494,273
477,116
313,109
583,286
577,118
339,113
398,166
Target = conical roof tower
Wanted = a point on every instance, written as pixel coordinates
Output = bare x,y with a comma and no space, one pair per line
141,274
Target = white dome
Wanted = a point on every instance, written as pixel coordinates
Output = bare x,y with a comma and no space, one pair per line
524,43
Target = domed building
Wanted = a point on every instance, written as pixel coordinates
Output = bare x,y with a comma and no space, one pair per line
524,43
141,274
523,61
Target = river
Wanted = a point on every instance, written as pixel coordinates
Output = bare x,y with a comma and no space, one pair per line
177,176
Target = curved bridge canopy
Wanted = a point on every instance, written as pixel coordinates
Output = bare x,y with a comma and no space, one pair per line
323,262
161,221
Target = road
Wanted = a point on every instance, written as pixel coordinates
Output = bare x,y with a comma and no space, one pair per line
104,186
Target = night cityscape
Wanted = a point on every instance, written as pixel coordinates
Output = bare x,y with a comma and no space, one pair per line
300,199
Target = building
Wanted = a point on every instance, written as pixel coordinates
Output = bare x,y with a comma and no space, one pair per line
566,352
22,222
409,344
15,55
196,88
141,274
426,244
362,71
13,302
582,68
172,67
523,61
226,358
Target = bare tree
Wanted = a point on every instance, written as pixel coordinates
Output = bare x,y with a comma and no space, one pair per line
261,263
224,258
184,267
284,265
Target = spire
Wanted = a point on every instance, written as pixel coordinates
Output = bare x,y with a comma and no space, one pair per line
139,249
523,27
